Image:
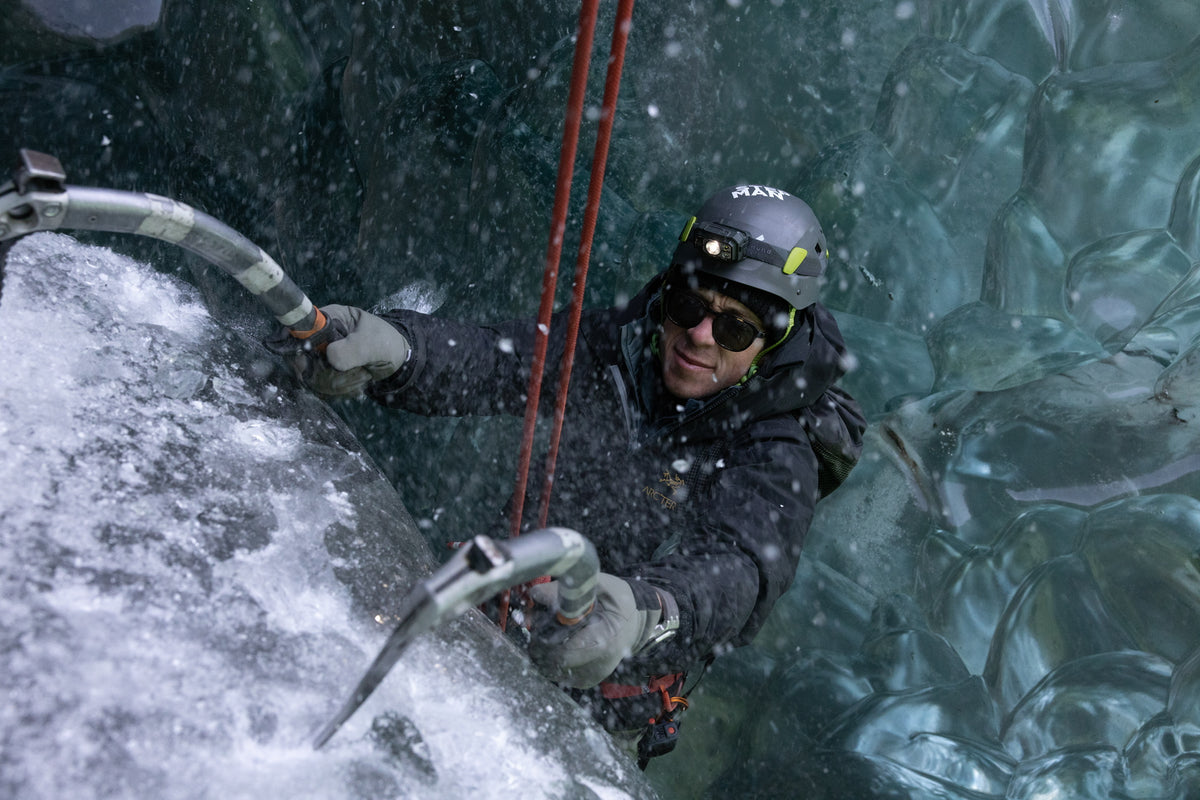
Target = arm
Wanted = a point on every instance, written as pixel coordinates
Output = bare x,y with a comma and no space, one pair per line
720,584
424,364
460,368
742,552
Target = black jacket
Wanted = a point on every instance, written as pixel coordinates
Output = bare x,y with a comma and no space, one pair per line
711,502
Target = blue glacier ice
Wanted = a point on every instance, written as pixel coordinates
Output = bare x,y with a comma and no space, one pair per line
1003,601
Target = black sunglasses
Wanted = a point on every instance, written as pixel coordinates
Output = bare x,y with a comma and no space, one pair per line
687,310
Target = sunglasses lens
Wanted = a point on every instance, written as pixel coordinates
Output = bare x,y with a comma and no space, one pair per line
733,333
685,309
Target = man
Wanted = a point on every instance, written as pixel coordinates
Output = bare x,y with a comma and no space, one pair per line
703,424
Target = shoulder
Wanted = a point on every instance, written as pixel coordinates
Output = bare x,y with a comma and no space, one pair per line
830,431
835,426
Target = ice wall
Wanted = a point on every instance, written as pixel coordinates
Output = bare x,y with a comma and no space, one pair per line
199,563
1002,600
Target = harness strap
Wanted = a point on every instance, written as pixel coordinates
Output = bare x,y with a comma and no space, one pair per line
655,683
662,730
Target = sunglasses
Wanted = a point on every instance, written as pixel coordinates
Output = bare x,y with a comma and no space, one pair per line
687,310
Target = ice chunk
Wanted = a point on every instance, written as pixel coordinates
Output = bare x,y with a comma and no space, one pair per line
1101,700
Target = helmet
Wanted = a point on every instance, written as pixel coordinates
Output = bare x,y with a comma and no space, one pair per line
759,237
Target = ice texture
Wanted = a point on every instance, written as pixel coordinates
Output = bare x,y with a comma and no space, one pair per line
1003,601
199,562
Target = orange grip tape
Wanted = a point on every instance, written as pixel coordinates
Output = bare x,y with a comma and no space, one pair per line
318,326
569,621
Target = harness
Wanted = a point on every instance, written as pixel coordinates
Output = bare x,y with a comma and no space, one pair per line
661,732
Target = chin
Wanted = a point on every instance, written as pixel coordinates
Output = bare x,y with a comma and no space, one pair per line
696,389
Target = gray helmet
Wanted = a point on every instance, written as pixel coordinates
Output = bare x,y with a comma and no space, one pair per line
760,237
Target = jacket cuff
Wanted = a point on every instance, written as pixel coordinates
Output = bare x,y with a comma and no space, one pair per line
651,598
644,594
384,391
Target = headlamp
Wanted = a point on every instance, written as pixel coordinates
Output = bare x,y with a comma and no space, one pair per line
716,241
729,244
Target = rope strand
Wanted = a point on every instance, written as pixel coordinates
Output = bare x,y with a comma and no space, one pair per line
558,224
579,71
608,113
562,197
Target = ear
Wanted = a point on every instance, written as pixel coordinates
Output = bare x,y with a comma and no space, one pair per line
655,308
668,278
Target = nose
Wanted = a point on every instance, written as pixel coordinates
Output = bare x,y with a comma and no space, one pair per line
701,332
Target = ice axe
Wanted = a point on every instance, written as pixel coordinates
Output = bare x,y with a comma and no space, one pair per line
39,199
477,572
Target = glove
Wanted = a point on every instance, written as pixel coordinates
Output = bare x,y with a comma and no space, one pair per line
582,655
371,350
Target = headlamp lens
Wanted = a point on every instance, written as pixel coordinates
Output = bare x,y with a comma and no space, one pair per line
716,241
688,309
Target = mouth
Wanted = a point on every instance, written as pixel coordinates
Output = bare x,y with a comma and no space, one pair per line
691,362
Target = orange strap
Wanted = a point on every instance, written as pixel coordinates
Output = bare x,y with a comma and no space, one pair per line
656,683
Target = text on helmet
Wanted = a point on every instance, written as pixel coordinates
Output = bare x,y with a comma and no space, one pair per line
754,190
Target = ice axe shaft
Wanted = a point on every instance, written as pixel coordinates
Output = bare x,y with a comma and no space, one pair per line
477,572
39,199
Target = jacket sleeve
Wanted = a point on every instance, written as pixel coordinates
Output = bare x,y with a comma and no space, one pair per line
741,552
458,368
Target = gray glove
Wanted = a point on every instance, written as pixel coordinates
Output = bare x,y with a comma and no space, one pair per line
584,654
371,350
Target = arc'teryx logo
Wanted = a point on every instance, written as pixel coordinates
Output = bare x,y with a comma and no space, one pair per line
672,482
754,190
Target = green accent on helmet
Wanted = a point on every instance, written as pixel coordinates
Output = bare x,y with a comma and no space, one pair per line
760,237
687,229
794,260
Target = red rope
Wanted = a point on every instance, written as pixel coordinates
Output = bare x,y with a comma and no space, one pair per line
608,113
558,226
579,70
